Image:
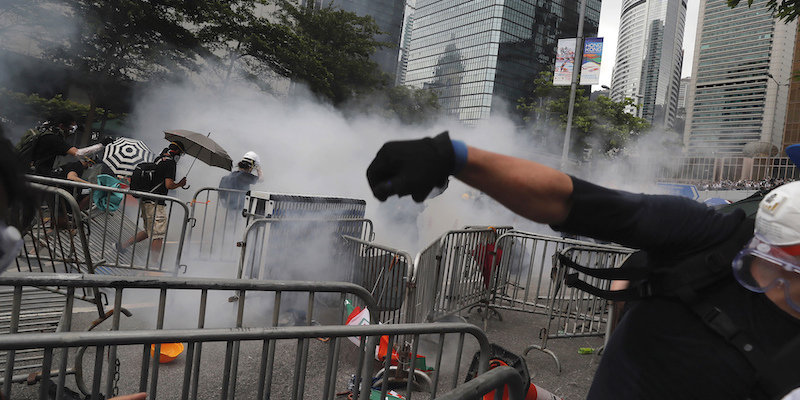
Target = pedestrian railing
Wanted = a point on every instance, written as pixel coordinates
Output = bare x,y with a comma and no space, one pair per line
113,215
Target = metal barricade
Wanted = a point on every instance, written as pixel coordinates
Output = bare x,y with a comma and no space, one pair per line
286,362
385,272
172,303
217,224
108,223
482,385
294,248
449,273
575,313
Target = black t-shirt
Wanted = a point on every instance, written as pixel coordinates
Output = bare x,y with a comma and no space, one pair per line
165,168
661,349
45,151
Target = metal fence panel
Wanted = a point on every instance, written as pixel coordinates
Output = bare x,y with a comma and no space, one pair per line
245,362
217,224
105,226
448,274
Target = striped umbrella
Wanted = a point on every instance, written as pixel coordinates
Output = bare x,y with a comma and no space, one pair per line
124,154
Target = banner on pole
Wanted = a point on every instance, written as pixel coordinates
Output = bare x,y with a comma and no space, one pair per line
565,62
592,56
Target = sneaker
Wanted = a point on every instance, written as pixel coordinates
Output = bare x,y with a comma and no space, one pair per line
119,248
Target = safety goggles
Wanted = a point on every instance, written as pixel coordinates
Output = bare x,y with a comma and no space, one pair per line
762,266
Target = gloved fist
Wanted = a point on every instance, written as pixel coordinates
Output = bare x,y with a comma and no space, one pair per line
107,140
412,167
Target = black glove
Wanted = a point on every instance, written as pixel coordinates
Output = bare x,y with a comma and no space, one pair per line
411,167
107,140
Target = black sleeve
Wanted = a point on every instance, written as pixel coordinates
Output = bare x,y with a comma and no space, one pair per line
56,143
655,223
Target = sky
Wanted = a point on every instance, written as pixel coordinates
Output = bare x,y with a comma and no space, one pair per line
609,28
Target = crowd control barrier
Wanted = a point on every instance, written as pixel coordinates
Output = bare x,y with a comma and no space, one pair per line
162,303
217,224
385,272
572,312
296,248
276,368
450,273
111,215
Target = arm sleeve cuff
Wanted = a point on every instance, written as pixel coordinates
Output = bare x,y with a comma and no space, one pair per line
460,150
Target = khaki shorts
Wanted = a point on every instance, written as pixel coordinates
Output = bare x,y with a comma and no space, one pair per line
155,228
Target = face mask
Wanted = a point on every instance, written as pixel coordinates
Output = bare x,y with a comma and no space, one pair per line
10,245
73,128
762,266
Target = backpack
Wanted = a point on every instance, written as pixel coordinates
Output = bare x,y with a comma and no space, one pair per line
27,143
143,178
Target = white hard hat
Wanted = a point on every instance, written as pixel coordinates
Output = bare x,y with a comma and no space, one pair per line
778,217
251,157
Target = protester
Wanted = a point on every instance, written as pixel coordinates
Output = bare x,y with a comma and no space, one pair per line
241,179
52,143
154,212
662,347
73,171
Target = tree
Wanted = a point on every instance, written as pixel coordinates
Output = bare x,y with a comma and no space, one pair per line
786,10
407,104
122,41
604,122
327,48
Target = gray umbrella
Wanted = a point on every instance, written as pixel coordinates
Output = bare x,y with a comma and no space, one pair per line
201,147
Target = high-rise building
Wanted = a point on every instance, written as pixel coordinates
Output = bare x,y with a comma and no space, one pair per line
405,44
650,58
388,15
791,133
682,92
742,69
481,56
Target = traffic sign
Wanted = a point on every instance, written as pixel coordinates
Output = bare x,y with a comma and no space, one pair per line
676,189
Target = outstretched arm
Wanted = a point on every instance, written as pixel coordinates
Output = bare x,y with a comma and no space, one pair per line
532,190
415,167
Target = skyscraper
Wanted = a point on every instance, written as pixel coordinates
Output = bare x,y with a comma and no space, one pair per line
742,67
650,57
388,15
481,56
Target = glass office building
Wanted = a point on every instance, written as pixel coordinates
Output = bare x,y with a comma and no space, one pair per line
650,58
741,74
388,15
480,56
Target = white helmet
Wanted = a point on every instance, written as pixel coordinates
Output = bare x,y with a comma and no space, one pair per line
252,158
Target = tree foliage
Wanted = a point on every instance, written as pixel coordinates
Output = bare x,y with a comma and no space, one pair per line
407,104
111,42
602,123
786,10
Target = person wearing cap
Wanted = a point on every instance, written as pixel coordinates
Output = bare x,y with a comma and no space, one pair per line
154,212
240,180
661,348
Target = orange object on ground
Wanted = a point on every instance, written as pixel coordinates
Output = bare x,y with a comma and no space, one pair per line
168,352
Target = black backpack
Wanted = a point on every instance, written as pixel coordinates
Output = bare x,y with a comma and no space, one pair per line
143,178
28,141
